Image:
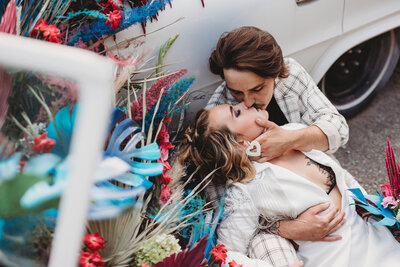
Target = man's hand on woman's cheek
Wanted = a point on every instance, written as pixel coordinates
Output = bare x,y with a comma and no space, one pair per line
274,141
311,226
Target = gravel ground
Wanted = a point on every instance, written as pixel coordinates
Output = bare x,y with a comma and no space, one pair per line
364,154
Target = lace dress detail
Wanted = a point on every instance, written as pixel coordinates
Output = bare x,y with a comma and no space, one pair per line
235,198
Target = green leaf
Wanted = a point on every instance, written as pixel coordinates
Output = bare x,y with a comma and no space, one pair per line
163,51
11,192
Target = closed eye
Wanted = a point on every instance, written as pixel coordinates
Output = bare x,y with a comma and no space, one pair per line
237,113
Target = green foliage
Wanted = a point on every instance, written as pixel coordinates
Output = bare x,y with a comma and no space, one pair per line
163,51
11,192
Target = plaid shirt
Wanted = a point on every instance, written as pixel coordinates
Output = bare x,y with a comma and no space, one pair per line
301,101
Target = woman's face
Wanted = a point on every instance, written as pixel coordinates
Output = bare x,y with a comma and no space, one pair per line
239,119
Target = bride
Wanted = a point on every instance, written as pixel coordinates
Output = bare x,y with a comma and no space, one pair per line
280,189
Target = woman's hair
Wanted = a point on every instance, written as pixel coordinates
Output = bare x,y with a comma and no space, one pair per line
251,49
209,149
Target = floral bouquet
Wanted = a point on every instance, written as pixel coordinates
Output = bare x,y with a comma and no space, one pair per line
137,215
384,204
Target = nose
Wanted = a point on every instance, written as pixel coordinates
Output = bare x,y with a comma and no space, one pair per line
248,101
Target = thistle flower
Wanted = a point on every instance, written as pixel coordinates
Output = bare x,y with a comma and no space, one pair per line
393,170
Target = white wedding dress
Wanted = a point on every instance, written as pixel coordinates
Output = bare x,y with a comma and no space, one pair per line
277,193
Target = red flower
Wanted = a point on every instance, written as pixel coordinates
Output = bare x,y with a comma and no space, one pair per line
39,27
52,34
94,242
111,5
165,194
145,265
43,144
114,19
22,165
234,264
218,253
165,178
90,259
386,190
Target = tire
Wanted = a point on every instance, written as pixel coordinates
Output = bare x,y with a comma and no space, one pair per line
357,76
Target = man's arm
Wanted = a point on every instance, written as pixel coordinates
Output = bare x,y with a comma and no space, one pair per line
310,226
277,140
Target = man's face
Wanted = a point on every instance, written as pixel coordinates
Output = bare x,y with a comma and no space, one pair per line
250,88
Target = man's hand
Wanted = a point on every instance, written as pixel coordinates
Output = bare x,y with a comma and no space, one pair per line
274,142
310,226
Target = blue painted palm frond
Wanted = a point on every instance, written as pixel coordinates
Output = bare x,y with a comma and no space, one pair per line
62,130
389,219
98,28
9,167
125,129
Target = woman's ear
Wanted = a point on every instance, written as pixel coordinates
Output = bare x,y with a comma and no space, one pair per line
244,143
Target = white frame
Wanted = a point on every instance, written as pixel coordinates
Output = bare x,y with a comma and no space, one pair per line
94,76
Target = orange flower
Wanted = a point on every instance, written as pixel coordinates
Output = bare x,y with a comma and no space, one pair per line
43,144
114,19
218,253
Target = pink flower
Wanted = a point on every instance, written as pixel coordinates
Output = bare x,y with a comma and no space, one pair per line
145,265
234,264
165,194
43,144
94,241
386,190
218,253
114,19
88,259
389,201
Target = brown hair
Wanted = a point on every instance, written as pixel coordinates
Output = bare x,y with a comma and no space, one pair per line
212,149
248,48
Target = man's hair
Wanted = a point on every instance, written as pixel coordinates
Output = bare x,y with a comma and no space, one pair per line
210,149
251,49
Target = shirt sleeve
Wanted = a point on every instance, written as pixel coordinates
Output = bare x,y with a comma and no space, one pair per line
239,224
319,111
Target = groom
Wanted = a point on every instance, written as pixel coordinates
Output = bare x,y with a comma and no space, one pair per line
255,72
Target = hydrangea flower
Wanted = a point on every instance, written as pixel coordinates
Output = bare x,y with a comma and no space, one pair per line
156,249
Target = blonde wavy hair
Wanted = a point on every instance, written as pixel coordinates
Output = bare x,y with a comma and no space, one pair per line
212,149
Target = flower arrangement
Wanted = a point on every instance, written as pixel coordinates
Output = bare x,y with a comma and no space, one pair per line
385,203
136,208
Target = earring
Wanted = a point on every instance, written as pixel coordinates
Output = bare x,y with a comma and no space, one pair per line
254,149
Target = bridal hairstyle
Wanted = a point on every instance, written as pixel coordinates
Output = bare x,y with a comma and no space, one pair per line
251,49
209,149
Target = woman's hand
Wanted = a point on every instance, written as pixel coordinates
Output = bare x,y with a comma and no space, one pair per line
310,226
297,264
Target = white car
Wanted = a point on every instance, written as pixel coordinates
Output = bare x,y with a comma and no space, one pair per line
349,47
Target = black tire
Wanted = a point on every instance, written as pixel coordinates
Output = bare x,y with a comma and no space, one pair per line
356,77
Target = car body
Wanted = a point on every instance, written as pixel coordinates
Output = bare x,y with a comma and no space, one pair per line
320,34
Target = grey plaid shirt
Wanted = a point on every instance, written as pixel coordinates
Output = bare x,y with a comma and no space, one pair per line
301,101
